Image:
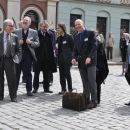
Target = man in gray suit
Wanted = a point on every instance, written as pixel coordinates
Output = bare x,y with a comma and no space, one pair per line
28,39
10,53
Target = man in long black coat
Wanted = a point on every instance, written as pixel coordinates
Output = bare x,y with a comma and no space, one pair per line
45,56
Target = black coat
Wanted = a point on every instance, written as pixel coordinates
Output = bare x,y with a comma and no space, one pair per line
123,49
102,66
44,52
84,47
65,49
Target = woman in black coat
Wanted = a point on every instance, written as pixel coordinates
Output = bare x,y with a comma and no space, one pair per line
101,68
65,48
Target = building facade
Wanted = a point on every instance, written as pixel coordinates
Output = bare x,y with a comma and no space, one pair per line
38,10
104,15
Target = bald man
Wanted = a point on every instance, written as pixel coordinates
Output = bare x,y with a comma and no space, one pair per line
85,54
28,39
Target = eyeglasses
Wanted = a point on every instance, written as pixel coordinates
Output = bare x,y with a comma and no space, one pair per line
10,25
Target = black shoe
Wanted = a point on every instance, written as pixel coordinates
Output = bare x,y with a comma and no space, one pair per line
48,91
13,100
62,92
91,105
128,104
29,94
34,91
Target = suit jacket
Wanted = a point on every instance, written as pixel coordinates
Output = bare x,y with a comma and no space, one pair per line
84,47
44,53
15,49
65,48
33,36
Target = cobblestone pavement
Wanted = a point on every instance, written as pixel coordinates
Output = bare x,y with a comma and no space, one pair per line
45,112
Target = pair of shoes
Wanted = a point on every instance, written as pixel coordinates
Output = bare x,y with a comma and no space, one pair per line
62,92
91,105
128,104
34,91
48,91
13,100
29,94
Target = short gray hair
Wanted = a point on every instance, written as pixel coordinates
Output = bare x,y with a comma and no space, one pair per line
6,22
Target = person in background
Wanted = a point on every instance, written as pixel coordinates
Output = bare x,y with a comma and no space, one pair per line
127,71
65,48
110,45
85,52
10,53
123,50
28,39
45,55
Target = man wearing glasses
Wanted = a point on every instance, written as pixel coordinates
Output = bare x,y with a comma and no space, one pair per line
10,53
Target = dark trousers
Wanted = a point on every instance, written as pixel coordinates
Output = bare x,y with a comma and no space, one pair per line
109,52
65,75
45,77
26,66
98,93
88,76
7,65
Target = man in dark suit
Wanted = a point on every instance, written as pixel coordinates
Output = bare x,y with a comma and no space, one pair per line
85,54
45,56
10,53
28,38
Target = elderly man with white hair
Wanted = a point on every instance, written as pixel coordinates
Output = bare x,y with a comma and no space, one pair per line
28,39
10,53
85,54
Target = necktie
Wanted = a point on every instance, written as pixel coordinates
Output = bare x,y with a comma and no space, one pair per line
6,39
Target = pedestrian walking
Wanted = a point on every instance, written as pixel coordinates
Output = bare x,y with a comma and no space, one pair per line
110,45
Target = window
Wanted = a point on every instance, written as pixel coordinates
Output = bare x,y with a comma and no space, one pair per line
73,17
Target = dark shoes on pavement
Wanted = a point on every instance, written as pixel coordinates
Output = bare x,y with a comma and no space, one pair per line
62,92
128,104
48,91
13,100
29,94
91,105
34,91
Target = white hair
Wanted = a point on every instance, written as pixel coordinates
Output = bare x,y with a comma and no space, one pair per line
6,22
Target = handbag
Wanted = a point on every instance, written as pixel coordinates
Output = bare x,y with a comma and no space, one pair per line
74,101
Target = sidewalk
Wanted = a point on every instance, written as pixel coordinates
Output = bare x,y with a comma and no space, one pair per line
44,111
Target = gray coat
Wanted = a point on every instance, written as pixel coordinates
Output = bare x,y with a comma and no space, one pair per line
33,36
15,49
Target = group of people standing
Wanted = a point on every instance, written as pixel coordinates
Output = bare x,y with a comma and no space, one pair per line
27,48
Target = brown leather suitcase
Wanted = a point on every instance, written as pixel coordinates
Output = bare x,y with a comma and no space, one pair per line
74,101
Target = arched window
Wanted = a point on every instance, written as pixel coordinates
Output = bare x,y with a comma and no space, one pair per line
75,13
34,17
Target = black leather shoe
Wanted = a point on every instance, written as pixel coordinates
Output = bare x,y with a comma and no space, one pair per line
62,92
91,105
34,91
13,100
48,91
29,94
128,104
